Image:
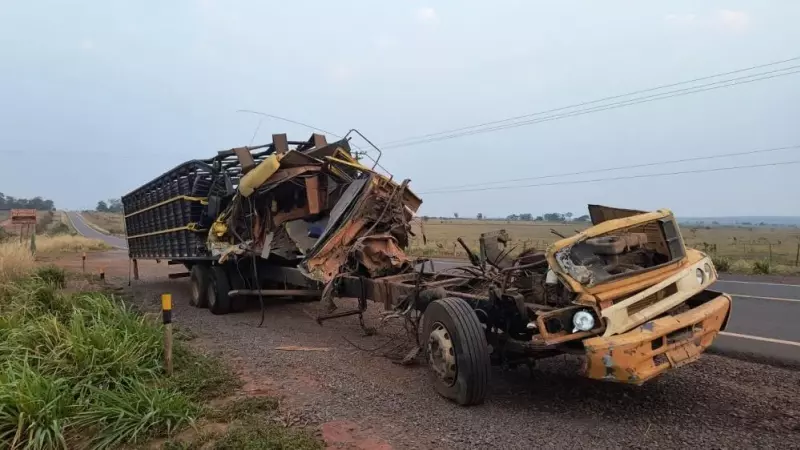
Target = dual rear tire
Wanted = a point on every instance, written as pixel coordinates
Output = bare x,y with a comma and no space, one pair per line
209,288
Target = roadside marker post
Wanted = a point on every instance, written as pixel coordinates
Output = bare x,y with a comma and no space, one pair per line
83,262
166,316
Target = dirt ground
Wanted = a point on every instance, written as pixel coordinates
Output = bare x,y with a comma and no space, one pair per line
360,399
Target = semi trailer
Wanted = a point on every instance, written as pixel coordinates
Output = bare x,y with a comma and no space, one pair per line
307,219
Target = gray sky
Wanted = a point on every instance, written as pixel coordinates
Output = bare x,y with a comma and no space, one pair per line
97,98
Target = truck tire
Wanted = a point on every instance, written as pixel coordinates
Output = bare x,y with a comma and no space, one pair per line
217,292
457,351
200,276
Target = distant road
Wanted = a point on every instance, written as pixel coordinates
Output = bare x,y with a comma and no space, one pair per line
80,225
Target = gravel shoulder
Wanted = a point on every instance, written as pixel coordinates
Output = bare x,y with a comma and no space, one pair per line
717,403
362,400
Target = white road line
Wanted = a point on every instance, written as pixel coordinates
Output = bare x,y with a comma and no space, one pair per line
795,300
759,338
758,282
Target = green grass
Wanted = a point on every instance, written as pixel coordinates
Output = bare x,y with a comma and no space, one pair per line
259,436
83,370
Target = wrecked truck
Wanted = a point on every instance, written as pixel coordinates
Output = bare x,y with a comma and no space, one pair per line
305,219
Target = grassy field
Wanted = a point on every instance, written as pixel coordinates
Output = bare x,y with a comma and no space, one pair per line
111,223
82,370
777,246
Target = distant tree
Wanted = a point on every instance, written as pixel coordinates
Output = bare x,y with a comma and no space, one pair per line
455,215
425,218
553,217
568,215
480,216
114,205
512,217
526,217
38,203
583,218
539,219
102,206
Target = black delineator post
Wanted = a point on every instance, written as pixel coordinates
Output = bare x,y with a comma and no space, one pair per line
166,315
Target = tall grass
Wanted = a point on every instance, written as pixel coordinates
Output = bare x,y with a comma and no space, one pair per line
15,261
82,370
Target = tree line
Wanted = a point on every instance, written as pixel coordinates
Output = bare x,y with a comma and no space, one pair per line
113,205
37,203
528,217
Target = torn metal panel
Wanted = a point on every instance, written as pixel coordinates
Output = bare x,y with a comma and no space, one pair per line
657,346
381,255
600,214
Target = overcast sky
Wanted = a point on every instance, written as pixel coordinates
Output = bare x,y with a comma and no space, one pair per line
97,98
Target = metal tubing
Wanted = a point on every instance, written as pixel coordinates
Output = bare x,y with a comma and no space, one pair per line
276,292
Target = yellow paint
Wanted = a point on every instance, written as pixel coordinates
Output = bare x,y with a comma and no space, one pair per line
191,227
630,357
219,229
258,176
202,200
166,302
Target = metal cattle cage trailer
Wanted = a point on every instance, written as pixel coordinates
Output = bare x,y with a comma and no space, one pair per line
306,219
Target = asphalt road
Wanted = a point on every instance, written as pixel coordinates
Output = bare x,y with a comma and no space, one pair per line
765,319
80,225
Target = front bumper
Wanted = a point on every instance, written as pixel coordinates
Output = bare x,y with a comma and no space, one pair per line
656,346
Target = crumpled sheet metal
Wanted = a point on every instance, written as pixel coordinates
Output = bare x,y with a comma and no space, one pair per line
380,255
633,357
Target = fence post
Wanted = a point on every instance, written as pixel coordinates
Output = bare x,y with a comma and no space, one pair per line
83,262
770,252
797,257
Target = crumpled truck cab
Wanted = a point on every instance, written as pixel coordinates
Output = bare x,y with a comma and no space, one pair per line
649,297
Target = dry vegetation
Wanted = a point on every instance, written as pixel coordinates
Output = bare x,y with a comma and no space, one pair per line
110,223
740,249
16,259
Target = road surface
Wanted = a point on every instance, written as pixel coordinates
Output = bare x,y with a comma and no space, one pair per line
765,319
80,225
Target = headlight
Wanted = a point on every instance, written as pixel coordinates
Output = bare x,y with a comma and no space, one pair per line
709,270
701,276
583,321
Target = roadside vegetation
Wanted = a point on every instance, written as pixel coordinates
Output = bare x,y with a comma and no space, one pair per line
84,370
106,222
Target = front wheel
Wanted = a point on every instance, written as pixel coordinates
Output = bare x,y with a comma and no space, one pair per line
457,351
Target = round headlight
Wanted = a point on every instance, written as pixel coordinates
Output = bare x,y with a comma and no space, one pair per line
709,270
583,321
701,276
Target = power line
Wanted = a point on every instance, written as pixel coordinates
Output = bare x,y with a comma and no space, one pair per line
635,101
577,105
628,177
608,169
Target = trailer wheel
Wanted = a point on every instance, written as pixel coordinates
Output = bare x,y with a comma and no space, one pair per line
200,278
458,354
217,292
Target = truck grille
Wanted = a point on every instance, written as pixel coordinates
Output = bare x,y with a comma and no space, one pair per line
652,299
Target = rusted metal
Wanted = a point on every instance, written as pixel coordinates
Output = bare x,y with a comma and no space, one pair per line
280,143
649,350
23,216
245,159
